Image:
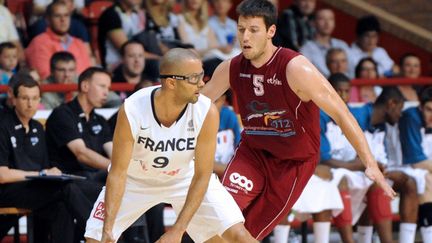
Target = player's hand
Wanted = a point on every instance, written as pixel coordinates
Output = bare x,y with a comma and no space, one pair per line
171,236
374,173
107,238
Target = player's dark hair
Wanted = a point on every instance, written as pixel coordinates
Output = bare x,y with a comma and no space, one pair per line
389,93
88,74
258,8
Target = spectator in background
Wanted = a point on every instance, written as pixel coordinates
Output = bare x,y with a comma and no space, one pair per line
367,68
118,24
56,39
23,152
9,31
228,136
337,61
316,49
294,26
77,28
79,140
8,61
63,71
224,27
410,68
194,29
40,8
366,45
415,127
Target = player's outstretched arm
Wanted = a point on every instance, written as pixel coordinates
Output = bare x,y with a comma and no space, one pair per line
115,185
219,83
204,157
308,83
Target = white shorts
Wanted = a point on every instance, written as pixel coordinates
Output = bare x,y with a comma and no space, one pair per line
317,196
217,212
419,175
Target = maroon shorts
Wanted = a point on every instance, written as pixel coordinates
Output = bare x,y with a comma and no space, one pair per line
265,187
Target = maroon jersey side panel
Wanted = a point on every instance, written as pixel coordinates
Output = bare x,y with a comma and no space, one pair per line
274,118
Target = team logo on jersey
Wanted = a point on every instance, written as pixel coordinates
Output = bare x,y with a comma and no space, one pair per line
190,126
241,181
96,129
34,140
100,211
274,81
13,141
244,75
80,128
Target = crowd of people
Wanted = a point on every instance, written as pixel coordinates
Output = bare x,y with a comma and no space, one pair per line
143,42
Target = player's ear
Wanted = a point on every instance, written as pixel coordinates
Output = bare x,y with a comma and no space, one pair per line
170,83
271,31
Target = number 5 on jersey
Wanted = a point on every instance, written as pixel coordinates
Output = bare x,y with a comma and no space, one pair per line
258,81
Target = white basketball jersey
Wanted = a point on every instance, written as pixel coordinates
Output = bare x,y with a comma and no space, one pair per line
162,154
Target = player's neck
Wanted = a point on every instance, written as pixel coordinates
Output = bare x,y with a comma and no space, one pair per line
265,56
166,109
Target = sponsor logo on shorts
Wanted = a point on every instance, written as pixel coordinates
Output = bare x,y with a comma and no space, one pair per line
100,211
242,181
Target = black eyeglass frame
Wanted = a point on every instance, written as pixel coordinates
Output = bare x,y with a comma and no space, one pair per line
197,76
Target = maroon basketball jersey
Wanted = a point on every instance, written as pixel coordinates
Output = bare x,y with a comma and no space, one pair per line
273,116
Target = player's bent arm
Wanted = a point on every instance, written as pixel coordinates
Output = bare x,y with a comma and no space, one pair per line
219,83
204,157
122,151
86,155
309,85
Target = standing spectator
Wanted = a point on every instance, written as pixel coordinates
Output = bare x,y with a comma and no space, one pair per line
416,140
337,61
9,31
79,140
316,49
294,25
55,39
8,61
366,45
23,152
63,71
411,69
118,24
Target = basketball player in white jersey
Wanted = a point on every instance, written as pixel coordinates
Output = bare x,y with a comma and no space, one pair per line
164,146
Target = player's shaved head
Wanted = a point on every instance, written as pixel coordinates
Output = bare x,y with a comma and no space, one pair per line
172,62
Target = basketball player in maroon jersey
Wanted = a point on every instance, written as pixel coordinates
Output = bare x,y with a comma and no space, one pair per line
279,94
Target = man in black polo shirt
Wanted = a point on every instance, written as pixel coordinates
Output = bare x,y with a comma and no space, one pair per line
23,153
79,140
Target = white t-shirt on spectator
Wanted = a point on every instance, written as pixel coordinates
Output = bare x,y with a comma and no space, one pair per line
8,31
379,54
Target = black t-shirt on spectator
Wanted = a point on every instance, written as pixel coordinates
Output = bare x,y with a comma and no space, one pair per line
21,150
109,20
68,122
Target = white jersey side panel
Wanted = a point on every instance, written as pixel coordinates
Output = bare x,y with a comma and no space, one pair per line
162,154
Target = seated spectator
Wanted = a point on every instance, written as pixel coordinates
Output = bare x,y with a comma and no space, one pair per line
416,140
63,71
367,68
194,29
77,28
23,153
9,31
294,25
410,68
366,45
316,49
56,39
79,140
225,29
228,136
337,61
118,24
40,7
163,22
8,61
